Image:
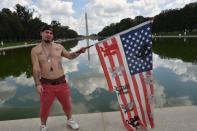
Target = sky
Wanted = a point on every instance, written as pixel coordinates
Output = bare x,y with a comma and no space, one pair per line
100,12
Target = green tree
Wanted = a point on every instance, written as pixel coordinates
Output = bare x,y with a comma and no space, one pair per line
62,31
25,17
20,25
122,25
34,31
176,19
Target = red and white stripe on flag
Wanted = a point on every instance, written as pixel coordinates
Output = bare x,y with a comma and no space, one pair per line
134,92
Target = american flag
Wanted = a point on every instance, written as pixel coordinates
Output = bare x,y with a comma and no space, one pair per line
126,59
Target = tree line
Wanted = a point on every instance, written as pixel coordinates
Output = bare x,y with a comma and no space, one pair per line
120,26
19,25
179,20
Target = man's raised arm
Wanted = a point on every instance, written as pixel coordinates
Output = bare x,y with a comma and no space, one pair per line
72,55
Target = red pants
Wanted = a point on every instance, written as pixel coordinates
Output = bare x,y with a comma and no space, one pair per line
61,91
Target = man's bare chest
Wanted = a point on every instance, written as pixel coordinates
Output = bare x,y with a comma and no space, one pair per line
47,56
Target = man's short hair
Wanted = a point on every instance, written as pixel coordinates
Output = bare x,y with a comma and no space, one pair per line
46,27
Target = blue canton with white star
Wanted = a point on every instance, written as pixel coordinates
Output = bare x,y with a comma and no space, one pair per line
137,46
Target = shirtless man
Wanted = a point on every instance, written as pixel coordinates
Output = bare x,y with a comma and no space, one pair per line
49,76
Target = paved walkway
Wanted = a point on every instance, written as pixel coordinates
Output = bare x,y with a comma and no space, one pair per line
15,47
175,36
166,119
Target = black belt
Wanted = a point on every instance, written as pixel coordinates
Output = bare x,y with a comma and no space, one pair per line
53,81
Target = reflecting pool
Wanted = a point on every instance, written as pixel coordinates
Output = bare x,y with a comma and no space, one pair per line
175,77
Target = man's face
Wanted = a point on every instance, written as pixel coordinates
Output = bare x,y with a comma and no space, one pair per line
47,36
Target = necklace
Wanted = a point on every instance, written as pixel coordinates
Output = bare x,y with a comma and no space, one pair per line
48,57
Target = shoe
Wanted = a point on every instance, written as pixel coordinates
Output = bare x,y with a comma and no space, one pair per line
72,124
43,128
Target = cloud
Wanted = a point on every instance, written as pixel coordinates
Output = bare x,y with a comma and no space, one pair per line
29,97
87,83
189,77
160,96
47,10
91,79
23,80
56,7
168,4
161,100
59,10
177,65
185,71
95,64
11,3
100,13
7,91
70,65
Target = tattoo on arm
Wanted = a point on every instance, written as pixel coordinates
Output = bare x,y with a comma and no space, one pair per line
74,55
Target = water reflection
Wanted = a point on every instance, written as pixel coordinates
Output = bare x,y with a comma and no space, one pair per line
177,80
175,73
17,61
7,91
186,71
177,48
